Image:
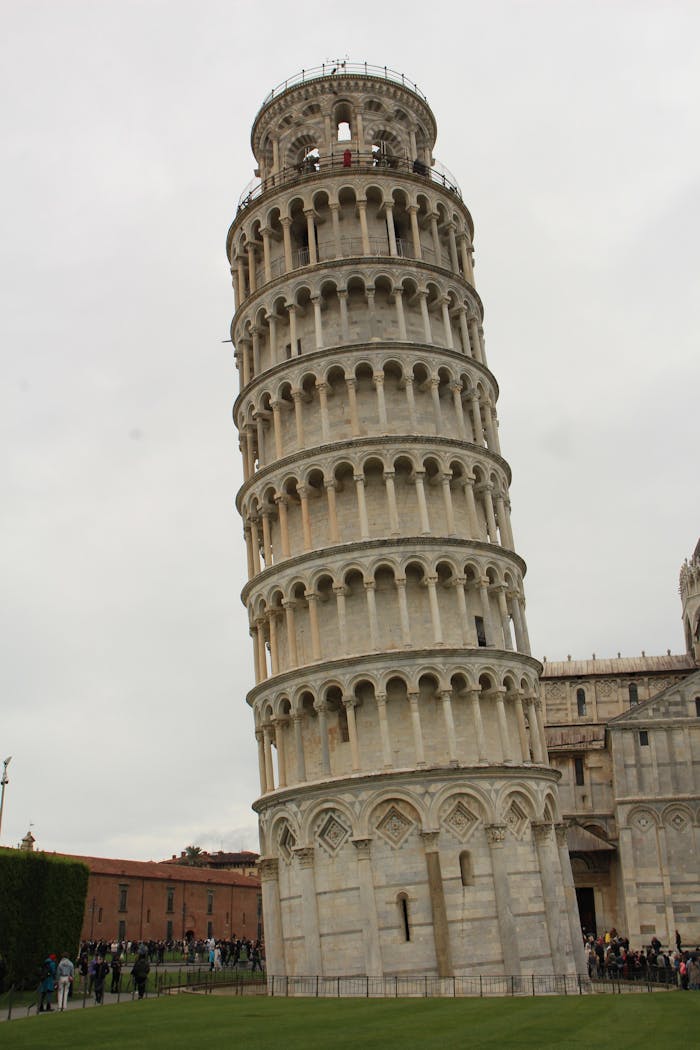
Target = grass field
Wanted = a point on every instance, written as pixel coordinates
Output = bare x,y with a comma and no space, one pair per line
185,1021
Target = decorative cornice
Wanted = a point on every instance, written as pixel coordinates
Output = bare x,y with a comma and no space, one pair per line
378,780
385,544
363,349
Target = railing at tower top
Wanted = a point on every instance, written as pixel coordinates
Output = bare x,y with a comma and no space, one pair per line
330,69
350,160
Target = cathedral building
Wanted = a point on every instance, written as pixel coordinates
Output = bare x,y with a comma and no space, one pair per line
625,735
409,818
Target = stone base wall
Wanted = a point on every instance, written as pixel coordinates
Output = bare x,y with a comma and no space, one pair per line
457,873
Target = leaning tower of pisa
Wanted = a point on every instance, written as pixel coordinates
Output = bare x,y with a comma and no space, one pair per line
408,815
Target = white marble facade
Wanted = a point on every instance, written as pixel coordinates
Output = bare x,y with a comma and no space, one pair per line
409,818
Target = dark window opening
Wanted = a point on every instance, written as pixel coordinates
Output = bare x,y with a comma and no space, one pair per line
581,702
465,868
210,902
122,930
210,929
169,930
634,693
343,724
480,632
579,771
643,738
697,706
148,915
99,914
403,911
123,890
170,905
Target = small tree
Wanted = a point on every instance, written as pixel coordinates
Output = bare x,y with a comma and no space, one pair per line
193,855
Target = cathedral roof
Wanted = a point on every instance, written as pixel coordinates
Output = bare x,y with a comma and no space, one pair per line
620,665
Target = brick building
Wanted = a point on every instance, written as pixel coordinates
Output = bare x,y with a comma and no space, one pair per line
137,900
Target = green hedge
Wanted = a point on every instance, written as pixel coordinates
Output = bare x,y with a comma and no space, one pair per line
42,903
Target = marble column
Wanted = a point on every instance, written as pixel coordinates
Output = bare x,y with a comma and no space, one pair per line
507,927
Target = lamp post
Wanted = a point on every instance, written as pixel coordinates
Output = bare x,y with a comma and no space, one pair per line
3,782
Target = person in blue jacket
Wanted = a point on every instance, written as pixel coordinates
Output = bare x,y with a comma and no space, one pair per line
48,984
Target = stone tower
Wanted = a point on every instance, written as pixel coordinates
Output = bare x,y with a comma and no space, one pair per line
408,815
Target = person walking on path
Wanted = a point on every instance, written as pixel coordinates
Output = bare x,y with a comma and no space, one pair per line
64,972
116,973
48,984
140,971
101,971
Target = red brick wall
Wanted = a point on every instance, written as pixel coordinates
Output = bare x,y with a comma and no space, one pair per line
234,909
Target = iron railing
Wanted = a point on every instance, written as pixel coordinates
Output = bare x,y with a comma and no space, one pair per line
351,160
330,69
428,987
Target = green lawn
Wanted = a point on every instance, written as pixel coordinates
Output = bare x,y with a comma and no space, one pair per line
179,1023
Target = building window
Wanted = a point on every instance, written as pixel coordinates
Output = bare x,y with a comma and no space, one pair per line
123,891
581,702
148,915
210,929
99,914
170,901
634,693
210,902
643,738
579,771
466,870
480,633
697,706
169,930
121,935
402,901
343,723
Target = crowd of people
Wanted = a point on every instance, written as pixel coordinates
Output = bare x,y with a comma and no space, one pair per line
610,957
99,960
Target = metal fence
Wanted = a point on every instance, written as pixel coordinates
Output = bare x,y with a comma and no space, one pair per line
352,160
429,987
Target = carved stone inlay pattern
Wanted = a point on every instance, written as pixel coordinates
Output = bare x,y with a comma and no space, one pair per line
332,834
394,826
516,819
677,821
461,821
643,821
287,842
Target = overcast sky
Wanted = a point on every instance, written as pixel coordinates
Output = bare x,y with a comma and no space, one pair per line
573,130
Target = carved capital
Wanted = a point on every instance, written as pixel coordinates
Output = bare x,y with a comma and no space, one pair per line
560,832
541,830
430,841
268,868
305,856
495,834
363,847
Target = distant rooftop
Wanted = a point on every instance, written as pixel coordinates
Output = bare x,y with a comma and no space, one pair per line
618,665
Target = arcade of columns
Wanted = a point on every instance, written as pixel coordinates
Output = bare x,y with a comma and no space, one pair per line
407,809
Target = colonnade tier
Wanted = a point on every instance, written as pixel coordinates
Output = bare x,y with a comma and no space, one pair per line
312,406
348,497
345,307
395,598
462,709
339,219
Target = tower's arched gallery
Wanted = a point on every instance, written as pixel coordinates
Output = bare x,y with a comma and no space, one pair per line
409,820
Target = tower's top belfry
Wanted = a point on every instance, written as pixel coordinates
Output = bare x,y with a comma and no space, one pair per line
371,104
